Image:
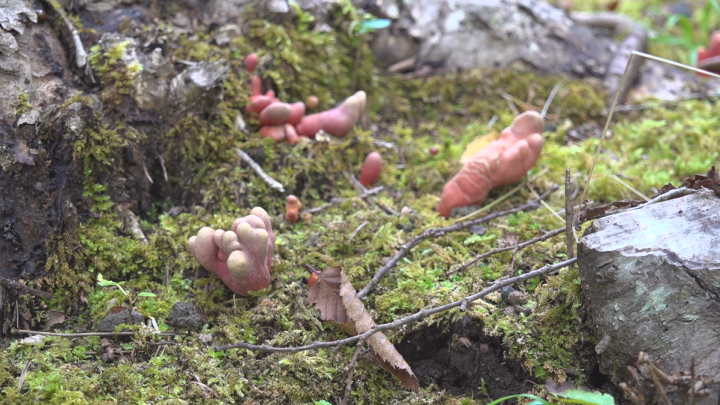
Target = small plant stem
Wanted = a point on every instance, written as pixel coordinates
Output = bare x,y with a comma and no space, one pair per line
350,371
255,166
569,216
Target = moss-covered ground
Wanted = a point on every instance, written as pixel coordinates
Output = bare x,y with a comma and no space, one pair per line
647,149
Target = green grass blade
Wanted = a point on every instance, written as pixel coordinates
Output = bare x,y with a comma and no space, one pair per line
536,399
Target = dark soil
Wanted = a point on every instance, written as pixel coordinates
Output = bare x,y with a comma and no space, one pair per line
463,360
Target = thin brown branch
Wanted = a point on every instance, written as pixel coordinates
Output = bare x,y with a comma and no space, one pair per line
569,215
635,397
437,232
403,321
162,165
656,375
659,387
338,201
15,285
23,373
34,332
350,371
358,229
546,235
363,189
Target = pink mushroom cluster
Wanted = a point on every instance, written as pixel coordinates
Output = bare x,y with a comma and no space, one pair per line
242,256
287,121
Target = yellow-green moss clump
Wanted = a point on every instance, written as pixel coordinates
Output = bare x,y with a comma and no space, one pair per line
411,115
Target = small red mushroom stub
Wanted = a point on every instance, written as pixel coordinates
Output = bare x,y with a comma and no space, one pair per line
292,208
251,62
371,169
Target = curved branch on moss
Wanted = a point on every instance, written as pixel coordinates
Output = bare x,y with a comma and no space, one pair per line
442,231
518,246
402,321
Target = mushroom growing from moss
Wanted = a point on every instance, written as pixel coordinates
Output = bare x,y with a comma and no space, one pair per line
371,169
502,162
292,208
242,256
337,121
288,122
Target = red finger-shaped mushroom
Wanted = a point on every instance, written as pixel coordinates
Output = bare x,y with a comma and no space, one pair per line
337,121
274,132
502,162
251,62
275,114
297,111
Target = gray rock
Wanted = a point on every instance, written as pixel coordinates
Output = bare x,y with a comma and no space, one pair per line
110,322
186,315
15,13
651,280
495,34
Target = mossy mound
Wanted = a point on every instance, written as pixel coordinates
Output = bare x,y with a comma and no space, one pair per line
214,186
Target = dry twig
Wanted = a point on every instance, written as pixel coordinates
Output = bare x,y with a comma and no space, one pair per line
405,320
696,385
21,380
569,215
437,232
358,229
363,189
518,246
255,166
351,370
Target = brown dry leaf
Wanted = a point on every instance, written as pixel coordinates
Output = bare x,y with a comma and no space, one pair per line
53,317
384,349
407,378
117,309
607,209
336,298
711,180
324,293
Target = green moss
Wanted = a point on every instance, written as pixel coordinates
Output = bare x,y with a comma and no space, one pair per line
115,72
23,103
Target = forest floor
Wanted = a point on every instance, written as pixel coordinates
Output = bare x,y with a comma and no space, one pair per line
469,356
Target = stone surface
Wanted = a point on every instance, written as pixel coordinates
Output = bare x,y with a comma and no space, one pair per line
495,34
110,322
186,315
651,280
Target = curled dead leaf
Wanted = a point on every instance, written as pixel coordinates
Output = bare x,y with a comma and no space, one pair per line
333,294
711,180
53,317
